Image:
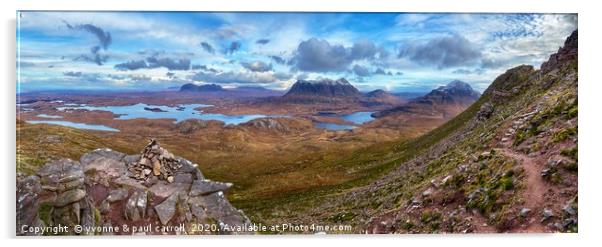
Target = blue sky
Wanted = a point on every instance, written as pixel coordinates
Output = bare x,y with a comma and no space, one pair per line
391,51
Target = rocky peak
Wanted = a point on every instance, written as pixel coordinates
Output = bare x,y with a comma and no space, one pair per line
454,92
565,54
458,87
324,88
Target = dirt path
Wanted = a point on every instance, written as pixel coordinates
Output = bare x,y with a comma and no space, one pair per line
535,188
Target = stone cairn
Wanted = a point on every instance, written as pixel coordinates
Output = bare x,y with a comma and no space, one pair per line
108,188
154,160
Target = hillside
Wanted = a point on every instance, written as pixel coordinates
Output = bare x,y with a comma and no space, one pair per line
506,164
380,96
448,100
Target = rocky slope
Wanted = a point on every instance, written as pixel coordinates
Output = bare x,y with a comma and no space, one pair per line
508,163
380,96
456,95
106,189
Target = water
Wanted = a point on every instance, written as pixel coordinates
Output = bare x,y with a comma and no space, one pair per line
48,116
179,113
75,125
358,118
334,126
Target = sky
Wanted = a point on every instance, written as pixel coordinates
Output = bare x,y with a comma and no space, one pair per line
399,52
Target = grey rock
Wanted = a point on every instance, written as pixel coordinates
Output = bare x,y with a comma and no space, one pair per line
446,179
28,190
117,195
547,214
74,184
427,192
524,212
135,207
167,209
569,210
183,178
69,197
218,207
204,187
105,207
163,189
105,163
485,111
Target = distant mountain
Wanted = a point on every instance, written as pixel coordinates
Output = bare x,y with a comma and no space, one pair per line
449,100
382,97
190,87
454,92
323,88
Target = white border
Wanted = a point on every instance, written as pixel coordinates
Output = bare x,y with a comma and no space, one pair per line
589,93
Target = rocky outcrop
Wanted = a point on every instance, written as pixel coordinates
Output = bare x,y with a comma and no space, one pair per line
107,188
568,52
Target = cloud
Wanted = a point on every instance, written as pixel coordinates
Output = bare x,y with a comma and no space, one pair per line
477,71
262,41
104,40
234,46
155,62
207,47
235,77
169,63
132,65
360,70
204,67
318,55
283,76
257,66
442,52
72,73
363,49
170,75
381,71
139,78
363,71
278,59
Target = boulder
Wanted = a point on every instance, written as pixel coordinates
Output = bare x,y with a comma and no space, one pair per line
69,197
167,209
205,187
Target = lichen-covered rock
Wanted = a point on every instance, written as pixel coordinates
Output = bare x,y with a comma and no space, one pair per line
28,190
205,187
167,209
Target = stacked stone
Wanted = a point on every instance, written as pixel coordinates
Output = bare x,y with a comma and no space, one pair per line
155,160
64,180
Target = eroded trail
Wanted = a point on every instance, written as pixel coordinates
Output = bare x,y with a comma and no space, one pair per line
535,187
